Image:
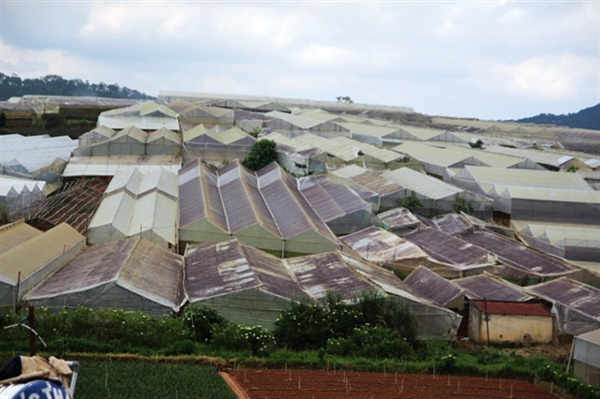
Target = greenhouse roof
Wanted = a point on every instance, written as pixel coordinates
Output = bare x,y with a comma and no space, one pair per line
541,157
519,256
422,184
490,158
429,284
491,288
571,294
147,115
34,152
299,121
369,130
135,264
368,179
139,184
429,154
15,186
550,194
37,252
380,246
561,235
234,198
421,133
399,217
102,165
449,249
219,268
524,177
15,234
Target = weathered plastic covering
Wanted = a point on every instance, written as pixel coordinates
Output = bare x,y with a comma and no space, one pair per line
33,154
586,349
96,135
520,257
128,274
556,160
453,223
299,122
575,305
498,160
138,184
432,286
399,219
17,194
147,116
422,184
234,199
365,178
15,234
379,246
449,249
111,165
491,288
138,204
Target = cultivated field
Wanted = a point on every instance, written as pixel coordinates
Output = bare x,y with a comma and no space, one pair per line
321,384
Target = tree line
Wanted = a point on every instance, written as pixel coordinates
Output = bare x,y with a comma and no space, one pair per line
55,85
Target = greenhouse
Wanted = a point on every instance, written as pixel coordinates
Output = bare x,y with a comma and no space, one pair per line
437,289
282,121
387,193
491,288
145,115
17,194
28,262
212,146
351,277
576,306
195,114
130,274
243,284
339,206
264,209
138,204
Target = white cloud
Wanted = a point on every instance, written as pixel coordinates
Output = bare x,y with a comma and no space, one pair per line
548,78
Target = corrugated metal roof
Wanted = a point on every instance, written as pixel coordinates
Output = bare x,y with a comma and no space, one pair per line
512,308
377,245
15,234
37,252
570,293
433,286
486,286
449,249
519,256
422,184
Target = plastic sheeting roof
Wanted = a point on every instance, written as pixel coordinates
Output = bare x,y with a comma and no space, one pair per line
561,235
147,116
399,217
15,234
234,198
430,154
491,288
519,256
138,183
430,285
37,252
377,245
550,194
34,152
368,179
299,121
524,177
571,293
111,165
14,186
540,157
134,264
227,137
449,249
422,184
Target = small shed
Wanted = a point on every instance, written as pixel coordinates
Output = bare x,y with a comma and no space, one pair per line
509,322
586,357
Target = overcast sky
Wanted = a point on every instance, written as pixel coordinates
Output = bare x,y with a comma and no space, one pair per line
482,59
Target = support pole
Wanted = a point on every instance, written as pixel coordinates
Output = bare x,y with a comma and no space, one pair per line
31,319
487,321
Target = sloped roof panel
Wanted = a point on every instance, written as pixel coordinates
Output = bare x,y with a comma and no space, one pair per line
92,267
35,253
484,286
377,245
35,152
572,294
447,248
525,177
191,203
15,234
215,269
422,184
321,273
430,285
519,256
99,165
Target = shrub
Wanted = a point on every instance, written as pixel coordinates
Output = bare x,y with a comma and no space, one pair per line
52,120
262,153
371,342
411,203
236,337
202,320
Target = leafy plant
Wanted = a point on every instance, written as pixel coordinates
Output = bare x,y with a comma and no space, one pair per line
202,321
462,205
262,153
236,337
411,202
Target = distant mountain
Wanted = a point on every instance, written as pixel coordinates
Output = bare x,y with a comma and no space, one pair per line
54,85
588,118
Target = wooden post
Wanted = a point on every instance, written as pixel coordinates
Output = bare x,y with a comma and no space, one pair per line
487,321
31,318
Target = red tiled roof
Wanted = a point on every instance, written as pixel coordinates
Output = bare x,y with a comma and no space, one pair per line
513,308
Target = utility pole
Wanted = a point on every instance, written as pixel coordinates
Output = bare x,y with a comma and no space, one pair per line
487,321
31,319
